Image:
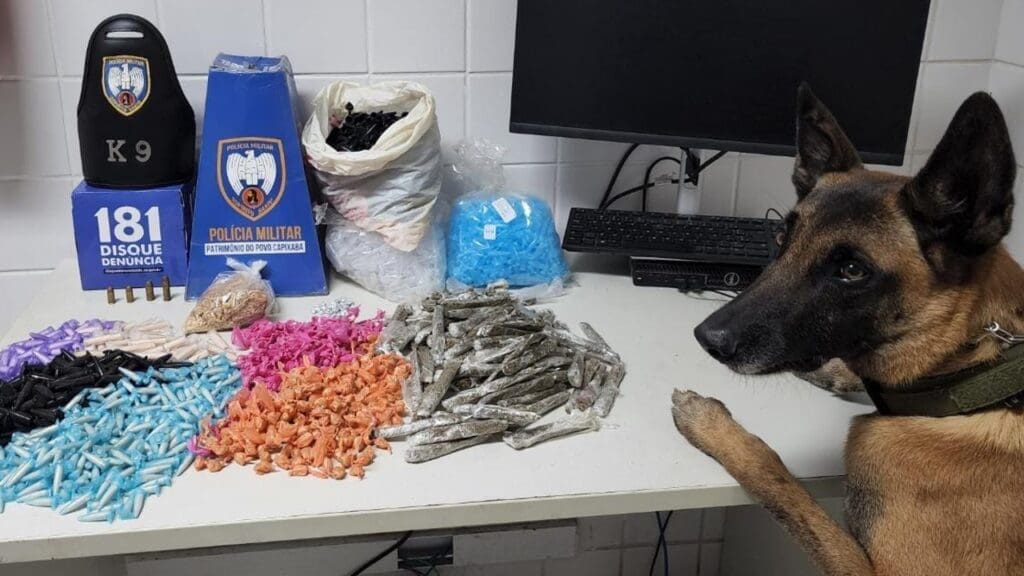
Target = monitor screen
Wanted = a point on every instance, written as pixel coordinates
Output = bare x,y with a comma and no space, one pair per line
717,74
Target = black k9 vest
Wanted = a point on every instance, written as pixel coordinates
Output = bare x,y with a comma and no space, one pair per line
135,127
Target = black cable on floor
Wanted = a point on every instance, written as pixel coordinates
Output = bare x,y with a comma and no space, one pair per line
662,546
366,565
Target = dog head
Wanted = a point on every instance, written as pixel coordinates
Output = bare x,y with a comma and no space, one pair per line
869,261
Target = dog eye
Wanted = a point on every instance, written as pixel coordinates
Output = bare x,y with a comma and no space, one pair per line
852,271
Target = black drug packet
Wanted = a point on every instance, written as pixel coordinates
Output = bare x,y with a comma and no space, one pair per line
135,127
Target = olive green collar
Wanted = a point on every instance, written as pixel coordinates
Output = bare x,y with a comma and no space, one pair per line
996,384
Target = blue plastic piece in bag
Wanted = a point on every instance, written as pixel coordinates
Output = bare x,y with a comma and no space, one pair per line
494,237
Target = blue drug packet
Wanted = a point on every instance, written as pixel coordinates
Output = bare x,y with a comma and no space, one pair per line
509,237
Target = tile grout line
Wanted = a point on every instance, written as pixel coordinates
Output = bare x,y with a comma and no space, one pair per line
263,21
465,36
60,88
13,272
367,40
48,8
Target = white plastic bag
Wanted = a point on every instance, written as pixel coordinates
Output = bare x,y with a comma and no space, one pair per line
383,269
390,188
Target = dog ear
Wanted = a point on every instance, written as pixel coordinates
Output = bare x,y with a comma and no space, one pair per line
821,145
963,197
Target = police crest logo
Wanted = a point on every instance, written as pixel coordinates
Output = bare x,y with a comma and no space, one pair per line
126,82
251,174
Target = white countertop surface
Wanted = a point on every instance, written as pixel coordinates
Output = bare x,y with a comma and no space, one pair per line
636,463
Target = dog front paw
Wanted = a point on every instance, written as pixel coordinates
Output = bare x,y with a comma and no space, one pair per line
698,417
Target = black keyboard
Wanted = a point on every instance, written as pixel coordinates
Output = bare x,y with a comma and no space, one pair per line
662,235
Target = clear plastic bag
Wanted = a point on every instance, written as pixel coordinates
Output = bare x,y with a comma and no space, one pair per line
370,261
495,235
236,298
392,187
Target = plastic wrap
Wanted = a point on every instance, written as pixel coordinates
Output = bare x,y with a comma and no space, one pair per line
236,298
368,259
392,187
496,235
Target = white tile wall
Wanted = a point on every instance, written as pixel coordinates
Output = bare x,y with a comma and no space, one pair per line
197,30
682,559
319,36
417,35
449,92
1007,87
488,117
72,22
35,216
27,146
18,289
763,183
536,179
70,91
509,569
1010,41
26,47
594,563
944,86
955,30
307,86
718,185
491,35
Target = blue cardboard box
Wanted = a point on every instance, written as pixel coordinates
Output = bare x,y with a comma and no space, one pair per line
252,200
126,237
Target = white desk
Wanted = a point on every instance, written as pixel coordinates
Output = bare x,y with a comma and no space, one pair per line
636,463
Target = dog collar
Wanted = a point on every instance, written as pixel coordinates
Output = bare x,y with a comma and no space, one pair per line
995,384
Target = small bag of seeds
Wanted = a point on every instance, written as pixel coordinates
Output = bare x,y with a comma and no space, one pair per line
236,298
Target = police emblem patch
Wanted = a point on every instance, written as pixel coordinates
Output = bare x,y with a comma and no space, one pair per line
251,174
126,82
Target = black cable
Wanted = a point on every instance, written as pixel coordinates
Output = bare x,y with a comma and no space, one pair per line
632,190
437,557
722,293
657,547
664,542
662,546
432,562
647,178
366,565
692,178
615,175
777,213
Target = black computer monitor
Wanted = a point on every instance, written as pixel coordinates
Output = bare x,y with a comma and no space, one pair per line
717,74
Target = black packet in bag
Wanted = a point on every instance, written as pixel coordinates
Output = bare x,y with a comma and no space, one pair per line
135,127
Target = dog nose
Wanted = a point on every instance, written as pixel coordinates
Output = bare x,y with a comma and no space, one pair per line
720,343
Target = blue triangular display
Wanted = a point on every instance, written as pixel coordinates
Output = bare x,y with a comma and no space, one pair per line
252,200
